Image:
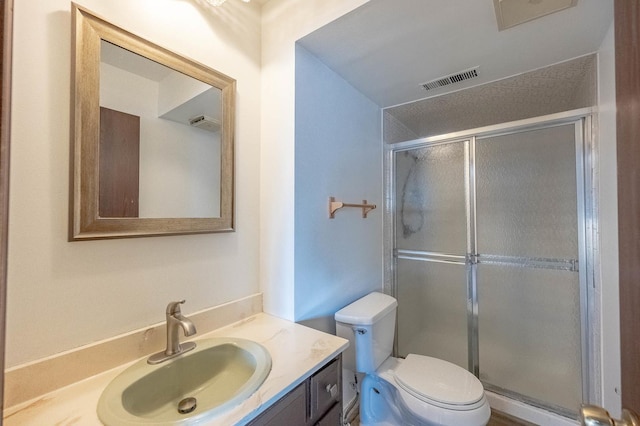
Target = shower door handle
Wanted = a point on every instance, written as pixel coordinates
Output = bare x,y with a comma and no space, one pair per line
592,415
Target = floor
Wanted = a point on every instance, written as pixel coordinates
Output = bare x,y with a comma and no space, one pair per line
497,419
501,419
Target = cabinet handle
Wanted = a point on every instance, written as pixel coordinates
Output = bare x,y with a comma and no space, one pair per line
332,390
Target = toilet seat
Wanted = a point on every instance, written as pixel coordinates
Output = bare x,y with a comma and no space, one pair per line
438,382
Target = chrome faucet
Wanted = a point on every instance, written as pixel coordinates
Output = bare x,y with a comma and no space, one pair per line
175,320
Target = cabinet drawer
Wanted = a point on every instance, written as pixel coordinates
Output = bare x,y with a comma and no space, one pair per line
290,410
332,418
326,388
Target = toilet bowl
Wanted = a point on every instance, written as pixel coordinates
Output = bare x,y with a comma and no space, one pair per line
417,390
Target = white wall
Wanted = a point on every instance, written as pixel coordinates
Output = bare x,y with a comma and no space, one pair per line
283,23
338,152
63,295
179,164
608,222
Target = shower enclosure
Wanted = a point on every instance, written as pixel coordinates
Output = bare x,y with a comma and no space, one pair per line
488,255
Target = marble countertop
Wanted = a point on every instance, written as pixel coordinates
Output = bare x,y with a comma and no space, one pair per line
296,351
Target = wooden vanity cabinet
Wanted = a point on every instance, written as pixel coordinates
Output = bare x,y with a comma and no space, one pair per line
315,402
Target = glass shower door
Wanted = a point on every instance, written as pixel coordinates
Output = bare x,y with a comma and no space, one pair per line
431,242
487,258
529,298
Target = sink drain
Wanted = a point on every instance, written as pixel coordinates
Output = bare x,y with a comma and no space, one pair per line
187,405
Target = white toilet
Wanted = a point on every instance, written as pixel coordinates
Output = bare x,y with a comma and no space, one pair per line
418,390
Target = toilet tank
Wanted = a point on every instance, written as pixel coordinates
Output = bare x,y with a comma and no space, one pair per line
369,324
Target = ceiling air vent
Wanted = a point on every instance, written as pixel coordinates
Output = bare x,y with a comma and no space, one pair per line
451,79
206,123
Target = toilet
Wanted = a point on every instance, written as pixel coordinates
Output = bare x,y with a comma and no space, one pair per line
417,390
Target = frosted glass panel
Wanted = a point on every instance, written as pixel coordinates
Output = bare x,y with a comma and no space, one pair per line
430,199
529,328
432,310
526,194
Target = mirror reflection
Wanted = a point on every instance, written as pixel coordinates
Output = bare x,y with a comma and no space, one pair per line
159,139
152,138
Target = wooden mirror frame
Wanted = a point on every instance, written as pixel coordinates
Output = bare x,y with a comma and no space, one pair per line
85,222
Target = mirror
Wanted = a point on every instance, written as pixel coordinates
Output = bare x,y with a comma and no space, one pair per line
152,138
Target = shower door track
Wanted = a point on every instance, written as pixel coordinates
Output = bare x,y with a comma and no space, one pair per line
587,242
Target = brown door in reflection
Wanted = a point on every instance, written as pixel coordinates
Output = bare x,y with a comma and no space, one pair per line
119,163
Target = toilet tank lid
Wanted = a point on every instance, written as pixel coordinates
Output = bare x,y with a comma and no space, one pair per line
367,310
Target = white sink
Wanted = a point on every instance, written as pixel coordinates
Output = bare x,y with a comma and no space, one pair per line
219,373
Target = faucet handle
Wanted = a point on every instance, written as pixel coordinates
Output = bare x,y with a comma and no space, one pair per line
174,307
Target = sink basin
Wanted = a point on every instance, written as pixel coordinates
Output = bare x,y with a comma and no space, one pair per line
219,374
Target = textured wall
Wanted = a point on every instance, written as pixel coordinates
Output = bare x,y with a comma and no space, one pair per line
561,87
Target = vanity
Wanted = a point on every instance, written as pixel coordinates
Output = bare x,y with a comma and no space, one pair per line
303,387
316,401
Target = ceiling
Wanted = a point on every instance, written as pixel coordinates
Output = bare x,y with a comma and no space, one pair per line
387,48
196,98
124,59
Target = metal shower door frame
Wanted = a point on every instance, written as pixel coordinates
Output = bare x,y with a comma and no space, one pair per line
587,241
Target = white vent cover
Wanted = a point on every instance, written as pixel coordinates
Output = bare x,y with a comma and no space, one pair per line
451,79
205,123
510,13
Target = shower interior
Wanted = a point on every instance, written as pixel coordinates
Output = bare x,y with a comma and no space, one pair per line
486,232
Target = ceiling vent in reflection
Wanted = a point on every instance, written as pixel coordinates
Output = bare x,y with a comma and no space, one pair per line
451,79
205,123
